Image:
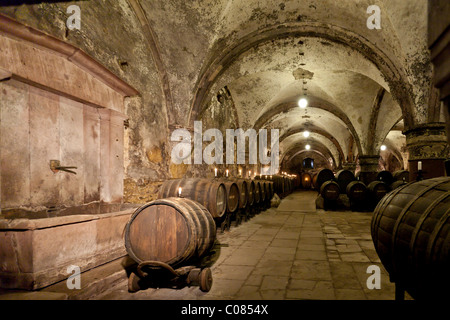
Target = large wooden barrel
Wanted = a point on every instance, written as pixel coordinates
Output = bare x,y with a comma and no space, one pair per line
411,232
272,190
330,190
288,187
251,192
306,180
356,191
401,175
385,176
343,178
268,187
257,194
210,193
243,192
233,194
279,183
323,176
397,184
171,230
377,190
262,185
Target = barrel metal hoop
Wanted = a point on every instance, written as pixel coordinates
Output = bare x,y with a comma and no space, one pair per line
434,234
421,221
403,213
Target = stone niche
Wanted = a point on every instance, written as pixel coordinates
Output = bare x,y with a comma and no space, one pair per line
57,103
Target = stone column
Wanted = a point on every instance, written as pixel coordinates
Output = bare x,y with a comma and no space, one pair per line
427,143
369,168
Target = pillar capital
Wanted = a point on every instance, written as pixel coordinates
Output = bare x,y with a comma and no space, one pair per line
351,166
428,141
428,144
369,167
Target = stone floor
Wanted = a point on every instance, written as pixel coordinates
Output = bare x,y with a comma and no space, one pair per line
290,252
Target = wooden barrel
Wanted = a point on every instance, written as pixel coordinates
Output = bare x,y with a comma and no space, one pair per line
278,184
257,194
397,184
288,185
272,191
330,190
343,178
263,190
377,190
411,232
268,190
314,180
306,180
385,176
251,192
401,175
243,192
171,230
323,176
210,193
233,194
356,191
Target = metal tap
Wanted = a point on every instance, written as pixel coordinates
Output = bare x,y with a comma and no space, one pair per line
55,166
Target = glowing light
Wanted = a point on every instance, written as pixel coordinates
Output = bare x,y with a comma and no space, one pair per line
307,147
383,147
215,172
306,134
302,103
179,191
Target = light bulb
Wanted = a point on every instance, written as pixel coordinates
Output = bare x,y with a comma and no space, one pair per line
302,103
383,147
306,134
307,147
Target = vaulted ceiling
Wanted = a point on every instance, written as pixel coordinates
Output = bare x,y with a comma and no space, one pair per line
359,82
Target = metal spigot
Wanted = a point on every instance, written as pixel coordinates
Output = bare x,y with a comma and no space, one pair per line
55,167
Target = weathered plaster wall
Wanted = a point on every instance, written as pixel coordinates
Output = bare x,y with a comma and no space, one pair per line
111,34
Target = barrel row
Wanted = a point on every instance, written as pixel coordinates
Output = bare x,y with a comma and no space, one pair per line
344,177
226,199
283,185
331,186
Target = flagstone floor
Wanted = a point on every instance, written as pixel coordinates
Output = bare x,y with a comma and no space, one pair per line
290,252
